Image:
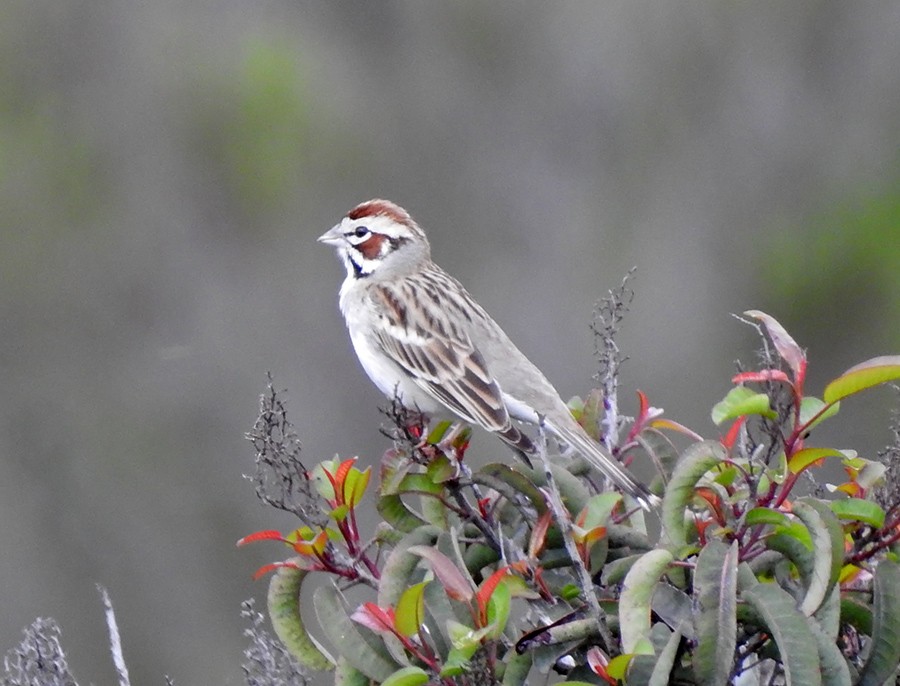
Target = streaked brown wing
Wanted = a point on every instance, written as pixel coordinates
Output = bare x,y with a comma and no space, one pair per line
447,367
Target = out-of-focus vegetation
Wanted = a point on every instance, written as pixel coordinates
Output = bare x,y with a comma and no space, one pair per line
842,268
164,171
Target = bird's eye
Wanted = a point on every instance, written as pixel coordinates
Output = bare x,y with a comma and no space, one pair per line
361,231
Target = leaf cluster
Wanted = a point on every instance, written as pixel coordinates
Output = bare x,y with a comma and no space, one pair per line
496,574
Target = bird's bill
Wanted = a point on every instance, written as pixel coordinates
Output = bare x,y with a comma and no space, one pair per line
333,236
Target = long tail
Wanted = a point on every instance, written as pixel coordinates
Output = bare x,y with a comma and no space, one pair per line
594,453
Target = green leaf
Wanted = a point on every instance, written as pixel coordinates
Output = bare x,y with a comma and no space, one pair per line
510,482
675,608
346,674
885,654
355,484
791,631
742,401
661,450
715,620
828,551
637,590
410,610
618,666
834,668
516,669
498,609
284,611
320,479
400,565
859,510
439,431
599,509
810,407
802,459
362,648
591,413
795,548
857,615
408,676
398,514
457,660
572,489
440,470
797,531
828,616
696,461
865,375
766,515
665,661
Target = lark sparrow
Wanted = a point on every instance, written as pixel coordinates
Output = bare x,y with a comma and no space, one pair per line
422,339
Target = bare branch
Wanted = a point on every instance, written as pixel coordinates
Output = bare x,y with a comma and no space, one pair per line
281,478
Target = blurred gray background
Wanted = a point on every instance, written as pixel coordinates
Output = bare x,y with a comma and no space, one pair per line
165,168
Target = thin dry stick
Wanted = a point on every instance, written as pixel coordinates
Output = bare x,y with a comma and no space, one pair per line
565,527
115,643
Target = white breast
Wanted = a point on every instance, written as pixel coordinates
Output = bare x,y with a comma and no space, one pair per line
387,375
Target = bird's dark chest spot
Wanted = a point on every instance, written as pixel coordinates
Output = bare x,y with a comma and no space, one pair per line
373,247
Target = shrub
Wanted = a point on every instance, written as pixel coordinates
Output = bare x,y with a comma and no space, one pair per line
756,569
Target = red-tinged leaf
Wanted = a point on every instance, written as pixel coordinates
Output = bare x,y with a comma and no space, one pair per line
461,441
590,536
487,588
597,661
304,548
644,407
865,375
269,535
761,376
733,433
786,346
320,541
340,479
380,620
272,566
457,586
715,503
851,489
313,548
809,456
675,426
591,414
539,535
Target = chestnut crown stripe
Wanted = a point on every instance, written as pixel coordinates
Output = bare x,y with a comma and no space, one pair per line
380,208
